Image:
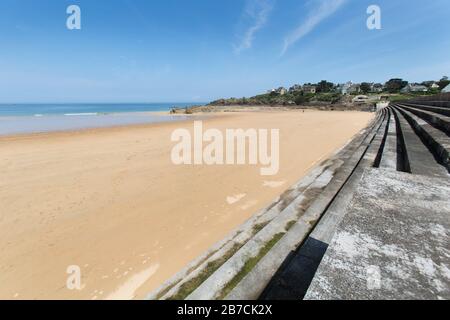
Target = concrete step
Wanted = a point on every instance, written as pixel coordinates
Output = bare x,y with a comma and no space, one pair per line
389,153
438,103
438,110
420,158
325,228
437,141
437,120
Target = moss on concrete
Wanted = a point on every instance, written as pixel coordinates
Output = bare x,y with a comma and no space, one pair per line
249,265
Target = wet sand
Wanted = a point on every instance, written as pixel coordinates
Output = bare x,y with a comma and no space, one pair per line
111,202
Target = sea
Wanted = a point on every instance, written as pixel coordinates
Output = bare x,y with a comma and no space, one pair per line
37,118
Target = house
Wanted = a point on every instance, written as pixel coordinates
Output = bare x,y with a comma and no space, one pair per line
414,88
446,89
431,84
377,88
343,88
309,89
281,91
354,88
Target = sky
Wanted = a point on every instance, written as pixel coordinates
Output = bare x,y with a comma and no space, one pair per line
201,50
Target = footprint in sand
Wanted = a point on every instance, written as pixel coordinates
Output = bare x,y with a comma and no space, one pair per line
273,184
236,198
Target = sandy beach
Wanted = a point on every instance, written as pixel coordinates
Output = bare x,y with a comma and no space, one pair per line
111,201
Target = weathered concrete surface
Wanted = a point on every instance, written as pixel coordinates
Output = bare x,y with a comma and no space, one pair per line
437,140
421,160
441,122
438,110
389,155
393,242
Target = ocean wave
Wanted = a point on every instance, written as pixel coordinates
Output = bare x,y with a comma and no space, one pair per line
81,114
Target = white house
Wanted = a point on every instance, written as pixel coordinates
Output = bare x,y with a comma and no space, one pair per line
376,87
434,86
355,88
343,88
446,89
281,91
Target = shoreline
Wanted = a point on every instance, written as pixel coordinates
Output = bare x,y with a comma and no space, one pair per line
134,119
226,111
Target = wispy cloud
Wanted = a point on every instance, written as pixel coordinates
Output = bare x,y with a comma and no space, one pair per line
325,9
257,12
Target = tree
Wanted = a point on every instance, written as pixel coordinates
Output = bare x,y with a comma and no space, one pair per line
395,85
301,99
443,83
365,87
324,86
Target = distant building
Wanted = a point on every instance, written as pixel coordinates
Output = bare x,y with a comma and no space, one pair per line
414,88
281,91
354,88
309,89
434,86
431,84
377,88
446,89
344,88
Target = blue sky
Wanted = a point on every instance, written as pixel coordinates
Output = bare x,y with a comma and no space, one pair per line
199,50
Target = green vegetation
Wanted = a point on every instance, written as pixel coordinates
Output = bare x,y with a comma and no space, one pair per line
188,287
395,85
249,265
325,86
328,93
443,83
257,228
411,95
365,87
274,99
